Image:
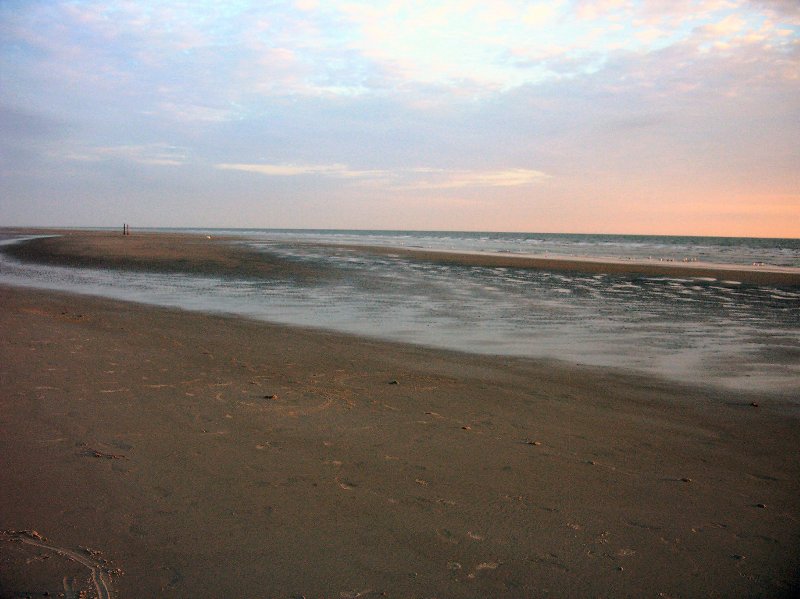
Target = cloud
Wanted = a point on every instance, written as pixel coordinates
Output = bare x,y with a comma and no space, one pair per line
194,113
413,178
444,179
197,61
158,154
339,171
594,9
728,26
541,14
788,10
496,100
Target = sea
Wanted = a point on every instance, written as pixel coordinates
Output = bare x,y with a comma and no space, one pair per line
700,330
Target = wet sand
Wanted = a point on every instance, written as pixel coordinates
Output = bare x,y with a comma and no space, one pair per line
169,453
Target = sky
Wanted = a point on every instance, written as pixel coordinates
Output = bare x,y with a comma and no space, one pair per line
677,117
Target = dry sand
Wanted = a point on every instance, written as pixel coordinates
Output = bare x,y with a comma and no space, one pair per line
164,453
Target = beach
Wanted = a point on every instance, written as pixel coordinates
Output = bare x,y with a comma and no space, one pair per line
151,451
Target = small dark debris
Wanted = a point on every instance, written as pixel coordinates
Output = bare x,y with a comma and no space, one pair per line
686,480
466,427
754,404
394,382
737,556
273,396
94,453
761,505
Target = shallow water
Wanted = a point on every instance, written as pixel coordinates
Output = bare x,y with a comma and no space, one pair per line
701,330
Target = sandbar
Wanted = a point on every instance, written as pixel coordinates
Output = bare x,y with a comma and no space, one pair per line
756,274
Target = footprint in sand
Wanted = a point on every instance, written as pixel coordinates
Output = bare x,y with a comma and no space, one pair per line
483,566
100,574
346,485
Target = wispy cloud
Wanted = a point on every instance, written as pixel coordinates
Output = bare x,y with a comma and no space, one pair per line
458,179
153,154
339,171
413,178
